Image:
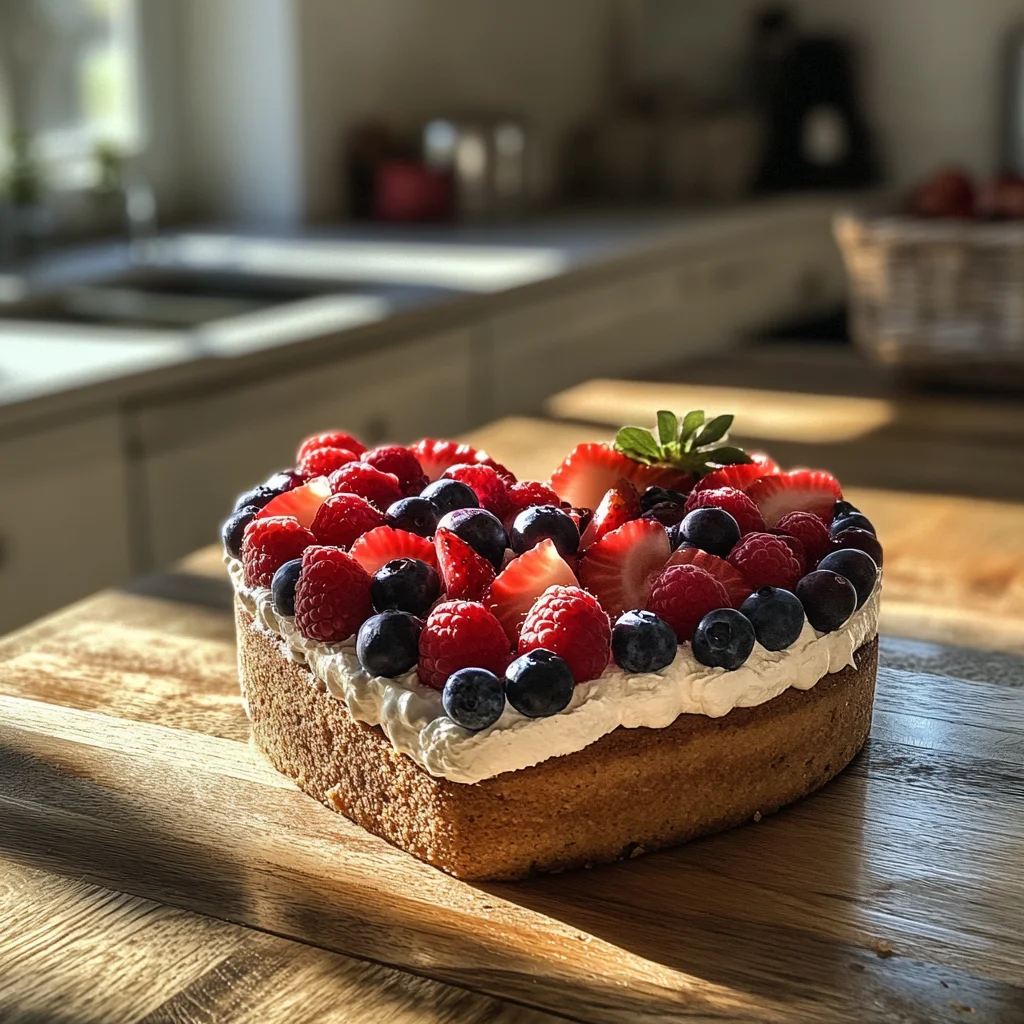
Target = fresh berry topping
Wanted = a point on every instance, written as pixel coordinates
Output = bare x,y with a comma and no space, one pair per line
795,545
658,496
776,615
570,623
723,639
810,531
828,599
332,439
802,490
282,587
682,595
589,470
435,457
323,461
735,502
481,530
528,493
522,581
668,513
284,480
488,487
408,584
711,529
256,497
580,516
388,643
448,495
544,522
641,642
538,684
302,503
383,544
766,561
508,478
619,505
860,540
857,566
473,698
852,521
343,518
740,477
460,634
400,462
466,574
378,488
267,544
620,568
232,531
843,508
332,597
735,585
414,515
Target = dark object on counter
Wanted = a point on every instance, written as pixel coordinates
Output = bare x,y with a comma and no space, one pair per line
405,190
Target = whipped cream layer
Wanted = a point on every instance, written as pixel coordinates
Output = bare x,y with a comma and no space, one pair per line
413,719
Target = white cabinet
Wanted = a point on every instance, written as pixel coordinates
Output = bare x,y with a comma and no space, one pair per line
64,529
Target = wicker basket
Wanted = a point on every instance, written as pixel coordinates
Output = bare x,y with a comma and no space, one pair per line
942,297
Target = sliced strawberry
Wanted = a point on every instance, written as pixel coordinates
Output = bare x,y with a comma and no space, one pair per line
620,568
802,490
301,502
740,476
619,505
735,585
436,456
331,439
383,544
589,470
466,574
522,581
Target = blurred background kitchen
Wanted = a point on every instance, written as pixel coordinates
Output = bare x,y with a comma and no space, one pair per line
225,224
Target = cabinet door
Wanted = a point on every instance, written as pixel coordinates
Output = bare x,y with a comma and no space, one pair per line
198,454
64,529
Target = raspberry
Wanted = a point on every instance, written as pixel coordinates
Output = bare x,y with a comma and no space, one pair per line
735,502
489,488
343,518
570,623
508,478
766,561
795,545
321,461
332,597
810,531
381,489
332,439
268,543
401,463
683,594
528,493
460,634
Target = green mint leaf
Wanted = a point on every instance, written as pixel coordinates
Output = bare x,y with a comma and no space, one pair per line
727,456
638,444
714,430
668,425
692,422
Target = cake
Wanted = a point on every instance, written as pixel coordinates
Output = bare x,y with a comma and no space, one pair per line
667,638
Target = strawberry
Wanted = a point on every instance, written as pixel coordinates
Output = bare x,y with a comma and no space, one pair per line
332,596
740,476
382,544
380,489
619,505
322,461
489,488
682,595
522,581
269,542
507,476
620,567
401,462
460,634
766,561
466,574
343,518
436,456
332,439
810,531
735,502
802,490
301,503
735,585
570,623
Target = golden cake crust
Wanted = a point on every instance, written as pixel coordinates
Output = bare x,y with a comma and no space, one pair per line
631,791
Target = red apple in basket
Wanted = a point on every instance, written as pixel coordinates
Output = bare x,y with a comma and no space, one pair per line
1002,198
950,193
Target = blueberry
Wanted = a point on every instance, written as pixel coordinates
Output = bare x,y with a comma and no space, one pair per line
862,541
657,495
857,566
843,508
544,522
711,529
538,684
481,530
473,698
641,642
284,480
282,587
448,495
828,599
724,638
776,615
415,515
259,496
234,528
668,513
388,643
406,584
851,521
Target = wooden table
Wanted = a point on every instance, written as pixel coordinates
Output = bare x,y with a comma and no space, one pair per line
896,893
